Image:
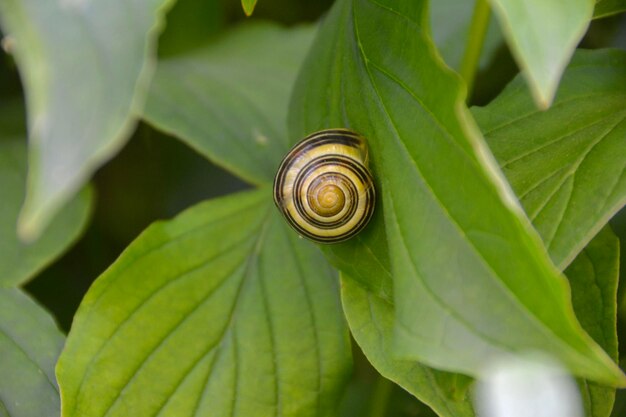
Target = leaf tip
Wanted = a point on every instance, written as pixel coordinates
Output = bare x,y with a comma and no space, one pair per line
248,6
542,93
28,227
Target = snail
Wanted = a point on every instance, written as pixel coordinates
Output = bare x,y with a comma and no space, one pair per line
324,188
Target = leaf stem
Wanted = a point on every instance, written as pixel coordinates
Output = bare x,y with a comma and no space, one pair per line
380,397
475,41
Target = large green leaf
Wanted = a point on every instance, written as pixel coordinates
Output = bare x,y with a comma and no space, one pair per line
593,276
455,232
20,261
218,312
566,164
542,35
229,100
30,343
85,67
370,317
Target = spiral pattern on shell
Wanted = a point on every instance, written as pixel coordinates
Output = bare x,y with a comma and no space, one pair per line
324,188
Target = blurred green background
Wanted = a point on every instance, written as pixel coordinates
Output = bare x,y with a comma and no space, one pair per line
156,176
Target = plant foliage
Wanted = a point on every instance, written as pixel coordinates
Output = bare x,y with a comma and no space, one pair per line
490,237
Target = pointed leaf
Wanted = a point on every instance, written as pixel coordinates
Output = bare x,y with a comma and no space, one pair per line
566,164
20,261
596,309
85,67
30,343
229,100
248,6
542,35
593,276
455,232
219,311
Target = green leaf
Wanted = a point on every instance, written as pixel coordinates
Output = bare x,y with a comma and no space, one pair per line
30,343
605,8
220,311
566,164
598,68
20,261
85,67
248,6
593,276
542,35
455,232
450,22
371,321
365,258
229,100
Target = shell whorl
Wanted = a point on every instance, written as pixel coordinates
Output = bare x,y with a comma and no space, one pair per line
324,188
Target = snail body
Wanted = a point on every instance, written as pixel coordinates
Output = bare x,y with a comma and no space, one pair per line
324,188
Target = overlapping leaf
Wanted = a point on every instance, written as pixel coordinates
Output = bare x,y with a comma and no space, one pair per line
371,319
543,34
455,235
229,100
30,343
220,311
567,164
85,67
20,261
594,275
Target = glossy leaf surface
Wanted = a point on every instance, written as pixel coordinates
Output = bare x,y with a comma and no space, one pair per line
457,236
566,164
229,100
220,311
30,343
542,35
85,66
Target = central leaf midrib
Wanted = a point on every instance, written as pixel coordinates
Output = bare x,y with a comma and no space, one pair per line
311,311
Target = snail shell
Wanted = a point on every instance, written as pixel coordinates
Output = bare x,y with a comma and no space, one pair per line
324,188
